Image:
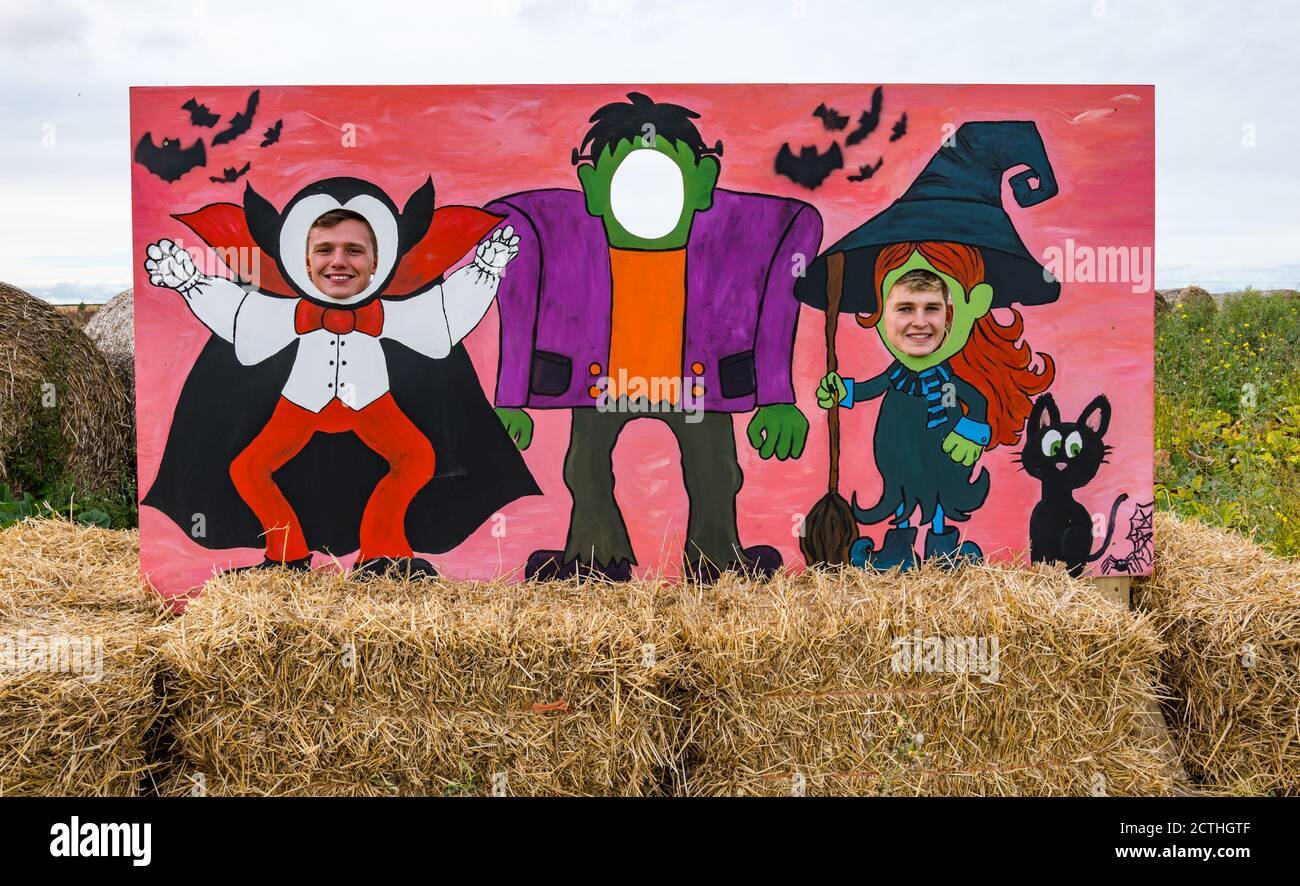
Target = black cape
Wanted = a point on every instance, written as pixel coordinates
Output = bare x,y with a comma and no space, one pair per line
225,404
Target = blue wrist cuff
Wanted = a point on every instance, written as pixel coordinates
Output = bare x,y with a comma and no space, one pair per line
847,402
973,431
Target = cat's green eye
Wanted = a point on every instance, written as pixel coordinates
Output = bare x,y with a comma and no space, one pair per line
1051,443
1073,445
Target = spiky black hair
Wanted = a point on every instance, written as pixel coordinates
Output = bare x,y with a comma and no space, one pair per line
625,121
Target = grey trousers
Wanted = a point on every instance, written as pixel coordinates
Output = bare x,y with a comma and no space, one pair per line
709,471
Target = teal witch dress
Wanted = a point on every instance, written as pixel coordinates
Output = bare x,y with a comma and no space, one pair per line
918,412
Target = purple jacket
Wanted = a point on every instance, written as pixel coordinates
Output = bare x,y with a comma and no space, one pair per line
741,312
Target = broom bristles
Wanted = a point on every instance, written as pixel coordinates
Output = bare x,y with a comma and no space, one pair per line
830,529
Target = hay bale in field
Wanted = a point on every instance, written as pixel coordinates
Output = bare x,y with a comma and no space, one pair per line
1195,298
112,329
64,415
1230,614
988,680
278,682
71,594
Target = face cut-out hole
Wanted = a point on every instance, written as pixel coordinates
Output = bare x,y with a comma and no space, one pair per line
647,194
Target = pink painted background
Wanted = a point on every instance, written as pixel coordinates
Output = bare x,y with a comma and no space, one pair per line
480,142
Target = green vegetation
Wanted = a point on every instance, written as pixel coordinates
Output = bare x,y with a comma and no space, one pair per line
1227,416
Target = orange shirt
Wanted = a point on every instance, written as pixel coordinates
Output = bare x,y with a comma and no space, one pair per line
648,314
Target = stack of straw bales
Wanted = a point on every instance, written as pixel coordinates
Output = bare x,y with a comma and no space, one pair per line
284,684
61,407
990,680
78,700
1230,614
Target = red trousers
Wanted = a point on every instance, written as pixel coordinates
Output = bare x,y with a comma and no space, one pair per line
383,427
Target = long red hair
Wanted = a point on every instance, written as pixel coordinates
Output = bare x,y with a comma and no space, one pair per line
994,361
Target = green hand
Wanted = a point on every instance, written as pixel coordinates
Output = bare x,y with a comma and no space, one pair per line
518,425
961,450
831,390
780,430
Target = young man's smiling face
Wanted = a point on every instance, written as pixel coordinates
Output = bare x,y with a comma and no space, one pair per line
341,259
915,320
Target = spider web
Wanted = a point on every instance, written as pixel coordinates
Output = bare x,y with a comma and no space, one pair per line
1139,533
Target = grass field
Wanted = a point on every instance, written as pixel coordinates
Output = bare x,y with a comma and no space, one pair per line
1227,420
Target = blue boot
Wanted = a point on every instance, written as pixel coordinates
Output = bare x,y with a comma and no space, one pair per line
942,547
897,549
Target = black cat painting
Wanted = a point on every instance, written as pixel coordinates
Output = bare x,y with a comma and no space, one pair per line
1065,456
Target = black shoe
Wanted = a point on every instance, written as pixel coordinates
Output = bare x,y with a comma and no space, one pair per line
550,566
764,561
303,565
944,550
897,549
395,567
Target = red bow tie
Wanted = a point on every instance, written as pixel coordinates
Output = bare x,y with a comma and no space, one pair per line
310,316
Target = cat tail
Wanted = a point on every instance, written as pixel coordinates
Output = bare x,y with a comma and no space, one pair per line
1110,526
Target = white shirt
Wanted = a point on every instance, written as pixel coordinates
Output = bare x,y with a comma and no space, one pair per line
349,367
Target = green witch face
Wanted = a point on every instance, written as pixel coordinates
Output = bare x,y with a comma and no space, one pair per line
966,309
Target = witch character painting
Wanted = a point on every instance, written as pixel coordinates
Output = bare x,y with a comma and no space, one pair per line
334,409
954,389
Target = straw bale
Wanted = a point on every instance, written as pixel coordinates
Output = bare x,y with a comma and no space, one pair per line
66,728
793,687
275,680
46,563
187,784
85,436
112,329
1230,614
77,702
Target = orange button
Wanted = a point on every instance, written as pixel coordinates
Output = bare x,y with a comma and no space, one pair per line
594,391
697,368
594,369
698,390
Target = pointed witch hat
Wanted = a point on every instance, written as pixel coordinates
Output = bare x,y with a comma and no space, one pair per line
956,198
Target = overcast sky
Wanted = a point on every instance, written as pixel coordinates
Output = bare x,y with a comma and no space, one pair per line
1227,214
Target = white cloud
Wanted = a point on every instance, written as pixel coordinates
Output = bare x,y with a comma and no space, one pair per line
1222,209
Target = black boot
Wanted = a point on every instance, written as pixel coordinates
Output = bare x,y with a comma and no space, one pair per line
897,549
763,562
943,549
396,567
550,566
303,565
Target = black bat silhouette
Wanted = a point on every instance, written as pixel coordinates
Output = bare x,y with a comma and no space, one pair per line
200,115
900,128
272,135
229,174
170,161
239,123
869,120
831,119
809,168
866,172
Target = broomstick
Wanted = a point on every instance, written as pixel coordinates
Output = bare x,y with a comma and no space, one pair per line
830,528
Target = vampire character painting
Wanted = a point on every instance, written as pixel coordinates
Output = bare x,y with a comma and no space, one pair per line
315,422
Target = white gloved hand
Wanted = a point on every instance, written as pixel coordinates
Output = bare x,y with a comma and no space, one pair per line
494,253
170,266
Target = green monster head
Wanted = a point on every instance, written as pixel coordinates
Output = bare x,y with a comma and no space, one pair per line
648,195
966,309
